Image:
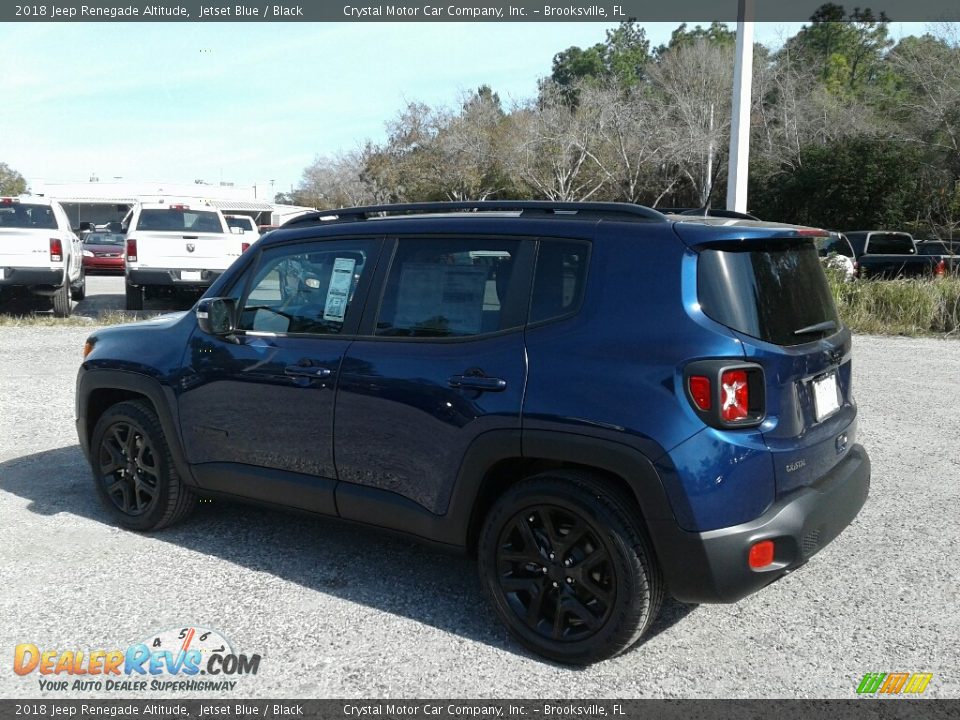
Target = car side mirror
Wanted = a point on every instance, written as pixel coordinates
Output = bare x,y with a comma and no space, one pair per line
215,316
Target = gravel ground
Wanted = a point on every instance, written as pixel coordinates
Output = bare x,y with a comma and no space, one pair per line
336,612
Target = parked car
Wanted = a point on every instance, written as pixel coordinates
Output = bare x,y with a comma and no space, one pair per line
40,256
836,251
174,245
886,254
103,252
948,262
598,425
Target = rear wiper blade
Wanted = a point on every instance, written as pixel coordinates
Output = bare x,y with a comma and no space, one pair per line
819,327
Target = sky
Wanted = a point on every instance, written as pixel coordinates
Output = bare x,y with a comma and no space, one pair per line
254,104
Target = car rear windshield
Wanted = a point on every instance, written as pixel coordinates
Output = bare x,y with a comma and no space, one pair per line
243,223
890,244
26,215
833,244
103,238
775,292
933,247
174,220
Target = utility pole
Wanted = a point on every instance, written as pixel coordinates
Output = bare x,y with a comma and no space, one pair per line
739,164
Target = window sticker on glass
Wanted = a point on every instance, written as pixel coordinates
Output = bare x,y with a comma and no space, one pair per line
441,298
338,292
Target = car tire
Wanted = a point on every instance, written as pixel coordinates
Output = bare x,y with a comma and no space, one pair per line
133,470
134,297
79,291
61,301
566,564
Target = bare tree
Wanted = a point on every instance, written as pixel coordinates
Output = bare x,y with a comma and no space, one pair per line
551,147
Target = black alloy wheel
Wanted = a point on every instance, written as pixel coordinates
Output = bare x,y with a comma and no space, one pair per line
133,468
129,469
556,573
565,561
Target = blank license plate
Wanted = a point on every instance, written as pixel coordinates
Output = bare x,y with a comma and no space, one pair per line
190,275
826,401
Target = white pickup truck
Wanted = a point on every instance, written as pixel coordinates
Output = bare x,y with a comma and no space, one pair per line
41,258
176,244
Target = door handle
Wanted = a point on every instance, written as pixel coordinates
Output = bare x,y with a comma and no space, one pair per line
478,382
307,371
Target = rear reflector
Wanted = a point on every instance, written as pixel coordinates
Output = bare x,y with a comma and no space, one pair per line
736,395
761,554
700,391
131,249
56,250
941,268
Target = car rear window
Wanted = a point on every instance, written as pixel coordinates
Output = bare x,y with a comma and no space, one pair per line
102,238
768,292
27,215
890,244
174,220
933,247
832,244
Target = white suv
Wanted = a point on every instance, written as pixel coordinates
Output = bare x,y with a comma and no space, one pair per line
40,256
176,244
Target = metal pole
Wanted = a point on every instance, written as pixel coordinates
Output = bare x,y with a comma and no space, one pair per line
739,165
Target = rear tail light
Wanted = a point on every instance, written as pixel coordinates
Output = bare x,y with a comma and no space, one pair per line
761,554
735,396
726,394
56,250
244,247
131,249
941,268
856,269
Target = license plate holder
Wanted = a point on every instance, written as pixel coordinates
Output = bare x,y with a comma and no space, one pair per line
826,398
190,275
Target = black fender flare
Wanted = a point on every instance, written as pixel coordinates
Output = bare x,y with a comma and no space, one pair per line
161,397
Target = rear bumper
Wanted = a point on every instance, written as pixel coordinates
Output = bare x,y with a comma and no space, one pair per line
31,277
712,566
171,277
103,264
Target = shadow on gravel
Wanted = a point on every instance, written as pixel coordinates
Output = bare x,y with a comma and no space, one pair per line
347,561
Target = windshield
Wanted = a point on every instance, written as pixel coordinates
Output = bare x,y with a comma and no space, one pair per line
103,238
175,220
769,292
26,215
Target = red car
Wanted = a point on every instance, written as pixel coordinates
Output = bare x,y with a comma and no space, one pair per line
103,252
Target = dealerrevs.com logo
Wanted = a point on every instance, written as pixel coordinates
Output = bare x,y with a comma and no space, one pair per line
181,659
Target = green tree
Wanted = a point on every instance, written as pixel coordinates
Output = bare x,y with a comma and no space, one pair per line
846,50
622,59
11,182
848,184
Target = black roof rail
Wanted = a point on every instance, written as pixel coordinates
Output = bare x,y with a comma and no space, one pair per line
531,208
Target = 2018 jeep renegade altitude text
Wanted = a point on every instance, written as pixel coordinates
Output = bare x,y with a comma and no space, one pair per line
602,403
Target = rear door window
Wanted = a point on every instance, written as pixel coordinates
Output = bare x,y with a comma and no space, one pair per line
447,288
775,292
559,280
27,215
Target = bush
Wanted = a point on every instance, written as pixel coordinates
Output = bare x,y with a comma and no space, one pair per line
898,307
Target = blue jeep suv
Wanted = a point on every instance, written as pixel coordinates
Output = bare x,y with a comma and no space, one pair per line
600,402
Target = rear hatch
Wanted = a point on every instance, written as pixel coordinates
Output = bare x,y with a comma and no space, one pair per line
25,233
183,238
769,288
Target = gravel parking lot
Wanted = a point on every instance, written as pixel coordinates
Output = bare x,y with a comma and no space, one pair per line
338,612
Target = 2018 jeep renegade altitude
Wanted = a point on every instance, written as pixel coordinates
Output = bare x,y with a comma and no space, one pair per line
602,403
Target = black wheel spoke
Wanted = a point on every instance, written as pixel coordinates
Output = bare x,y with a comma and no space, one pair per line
557,630
512,584
550,529
588,584
581,611
535,608
529,539
574,536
